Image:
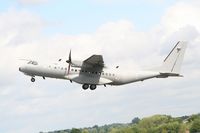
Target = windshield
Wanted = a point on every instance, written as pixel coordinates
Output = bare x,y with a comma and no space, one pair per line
32,62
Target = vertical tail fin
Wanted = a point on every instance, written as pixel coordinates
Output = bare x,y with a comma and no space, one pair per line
172,63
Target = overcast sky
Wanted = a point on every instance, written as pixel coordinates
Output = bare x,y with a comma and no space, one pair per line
129,33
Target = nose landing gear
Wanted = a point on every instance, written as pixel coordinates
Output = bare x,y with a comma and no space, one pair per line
32,79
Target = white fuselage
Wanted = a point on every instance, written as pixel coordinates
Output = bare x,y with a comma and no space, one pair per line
114,76
92,71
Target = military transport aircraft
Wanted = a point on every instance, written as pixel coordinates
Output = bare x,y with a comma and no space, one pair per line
92,71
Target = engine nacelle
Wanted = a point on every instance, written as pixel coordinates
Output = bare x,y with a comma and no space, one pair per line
76,63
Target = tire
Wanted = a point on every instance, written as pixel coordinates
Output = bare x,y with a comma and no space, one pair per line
32,79
93,87
85,86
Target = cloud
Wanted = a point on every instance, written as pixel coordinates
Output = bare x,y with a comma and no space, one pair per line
181,14
17,28
15,25
56,104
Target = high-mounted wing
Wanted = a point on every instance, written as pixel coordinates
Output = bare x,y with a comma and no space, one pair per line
94,61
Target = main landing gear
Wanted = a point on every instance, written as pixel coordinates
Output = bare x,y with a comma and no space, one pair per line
93,87
86,86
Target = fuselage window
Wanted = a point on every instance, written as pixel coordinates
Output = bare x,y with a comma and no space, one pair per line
72,69
75,70
106,74
55,67
65,68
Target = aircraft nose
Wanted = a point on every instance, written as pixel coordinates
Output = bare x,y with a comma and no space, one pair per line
21,69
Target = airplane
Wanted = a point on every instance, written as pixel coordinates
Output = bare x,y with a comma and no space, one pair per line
92,71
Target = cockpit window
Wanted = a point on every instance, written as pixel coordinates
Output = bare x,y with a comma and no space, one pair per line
32,62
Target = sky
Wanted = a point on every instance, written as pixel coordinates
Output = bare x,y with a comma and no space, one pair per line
129,33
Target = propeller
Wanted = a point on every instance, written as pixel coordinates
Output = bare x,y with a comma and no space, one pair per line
70,58
69,61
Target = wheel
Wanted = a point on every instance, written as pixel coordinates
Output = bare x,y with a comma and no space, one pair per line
93,87
85,86
32,79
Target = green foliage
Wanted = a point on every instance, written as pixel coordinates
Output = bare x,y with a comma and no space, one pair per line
170,127
154,121
182,128
74,130
195,126
84,131
154,124
193,117
135,120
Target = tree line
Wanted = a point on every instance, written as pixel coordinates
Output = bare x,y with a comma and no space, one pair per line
153,124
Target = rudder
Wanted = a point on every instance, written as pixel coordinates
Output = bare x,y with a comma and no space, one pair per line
172,63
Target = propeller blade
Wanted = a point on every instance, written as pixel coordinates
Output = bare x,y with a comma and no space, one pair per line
69,58
70,54
68,69
69,61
